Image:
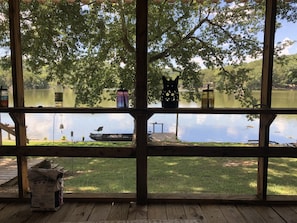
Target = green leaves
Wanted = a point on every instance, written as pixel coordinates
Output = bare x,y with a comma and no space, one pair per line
92,48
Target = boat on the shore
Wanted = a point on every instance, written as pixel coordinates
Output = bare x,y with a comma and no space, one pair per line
111,136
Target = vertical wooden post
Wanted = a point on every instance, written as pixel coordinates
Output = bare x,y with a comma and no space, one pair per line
141,100
18,91
266,90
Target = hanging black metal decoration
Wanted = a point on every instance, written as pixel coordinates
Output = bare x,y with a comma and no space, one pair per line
170,94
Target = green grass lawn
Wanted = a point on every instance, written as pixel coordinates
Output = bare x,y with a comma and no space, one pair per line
174,174
179,175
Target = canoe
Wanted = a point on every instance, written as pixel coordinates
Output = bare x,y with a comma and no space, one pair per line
111,137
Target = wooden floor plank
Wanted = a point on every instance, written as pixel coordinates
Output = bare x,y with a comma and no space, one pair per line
232,214
287,213
213,213
175,211
15,213
250,214
156,211
294,208
137,211
39,216
100,212
2,205
61,215
193,211
81,212
119,211
269,214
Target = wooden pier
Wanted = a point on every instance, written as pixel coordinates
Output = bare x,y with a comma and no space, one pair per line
8,169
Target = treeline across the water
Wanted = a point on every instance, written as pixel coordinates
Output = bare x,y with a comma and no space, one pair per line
284,75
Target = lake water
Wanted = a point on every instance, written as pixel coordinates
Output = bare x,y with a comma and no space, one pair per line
191,127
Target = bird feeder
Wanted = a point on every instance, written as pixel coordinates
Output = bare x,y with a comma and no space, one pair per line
3,97
122,98
207,98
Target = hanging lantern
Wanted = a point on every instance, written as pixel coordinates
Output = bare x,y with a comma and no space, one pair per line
3,97
207,98
122,98
61,126
170,94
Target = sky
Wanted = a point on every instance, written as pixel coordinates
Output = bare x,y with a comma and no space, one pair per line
288,31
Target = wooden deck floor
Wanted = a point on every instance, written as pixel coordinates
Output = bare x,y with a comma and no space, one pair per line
158,213
8,168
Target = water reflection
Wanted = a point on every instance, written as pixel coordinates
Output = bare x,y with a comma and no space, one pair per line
188,127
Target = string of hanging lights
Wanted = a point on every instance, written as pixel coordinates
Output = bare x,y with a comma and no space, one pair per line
85,2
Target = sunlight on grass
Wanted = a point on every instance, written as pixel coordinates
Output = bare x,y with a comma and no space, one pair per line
282,176
281,189
88,189
178,175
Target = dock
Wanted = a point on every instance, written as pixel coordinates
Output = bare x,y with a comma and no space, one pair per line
8,169
164,137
